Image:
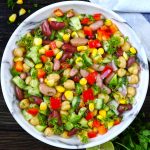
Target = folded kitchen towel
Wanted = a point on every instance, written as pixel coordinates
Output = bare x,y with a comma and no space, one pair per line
131,12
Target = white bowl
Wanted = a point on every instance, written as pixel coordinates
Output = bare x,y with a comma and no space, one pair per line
34,20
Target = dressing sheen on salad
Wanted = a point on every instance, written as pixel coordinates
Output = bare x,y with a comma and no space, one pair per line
75,75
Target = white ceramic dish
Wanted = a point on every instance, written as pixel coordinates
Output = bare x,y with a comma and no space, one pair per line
34,20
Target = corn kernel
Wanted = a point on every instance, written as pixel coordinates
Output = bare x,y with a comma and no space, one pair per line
59,55
94,52
90,124
38,66
90,70
99,117
19,2
83,81
91,107
37,41
125,55
95,129
12,18
43,106
82,48
18,59
64,134
79,61
102,113
74,34
42,50
108,22
66,37
69,95
58,94
122,101
22,11
100,51
60,89
110,124
50,82
133,50
58,43
46,47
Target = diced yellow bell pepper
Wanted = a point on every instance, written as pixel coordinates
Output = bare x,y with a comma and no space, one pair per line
22,11
69,95
83,81
74,34
59,55
38,66
19,2
43,106
100,51
102,113
12,18
91,107
60,89
66,37
133,50
82,48
122,101
108,22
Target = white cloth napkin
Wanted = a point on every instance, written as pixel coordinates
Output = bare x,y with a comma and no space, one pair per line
130,10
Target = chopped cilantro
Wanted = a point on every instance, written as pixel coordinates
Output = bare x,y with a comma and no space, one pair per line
42,119
11,4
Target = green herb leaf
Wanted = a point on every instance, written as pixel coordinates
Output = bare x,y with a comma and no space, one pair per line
11,4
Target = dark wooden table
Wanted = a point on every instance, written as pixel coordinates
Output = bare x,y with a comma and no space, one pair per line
12,136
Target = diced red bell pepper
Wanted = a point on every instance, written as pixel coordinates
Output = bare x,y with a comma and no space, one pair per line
49,53
88,95
43,58
19,66
33,111
55,103
97,17
92,134
65,65
117,121
94,43
87,31
96,123
85,21
41,73
91,78
89,116
53,45
106,72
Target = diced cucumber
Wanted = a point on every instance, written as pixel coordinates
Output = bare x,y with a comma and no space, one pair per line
105,45
34,83
99,103
40,127
74,118
75,23
29,62
26,115
19,82
33,73
68,126
82,111
44,112
110,113
83,122
34,91
75,102
46,99
96,89
14,72
87,60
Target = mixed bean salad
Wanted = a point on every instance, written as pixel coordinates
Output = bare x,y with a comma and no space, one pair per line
75,74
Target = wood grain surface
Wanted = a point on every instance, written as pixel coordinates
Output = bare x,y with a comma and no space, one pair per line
12,136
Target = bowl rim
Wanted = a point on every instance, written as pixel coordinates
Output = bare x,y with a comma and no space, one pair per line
59,4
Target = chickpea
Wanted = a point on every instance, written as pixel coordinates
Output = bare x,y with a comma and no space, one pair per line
58,94
59,44
23,75
48,131
66,73
34,121
122,62
134,69
28,79
81,34
64,134
69,84
133,79
121,72
63,112
54,77
131,91
126,46
104,96
65,105
26,68
18,52
24,104
121,41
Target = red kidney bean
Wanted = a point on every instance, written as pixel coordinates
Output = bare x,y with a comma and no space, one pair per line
37,100
124,107
69,48
65,56
46,28
79,41
73,132
119,52
76,79
19,93
55,114
56,64
56,25
46,42
73,72
130,61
